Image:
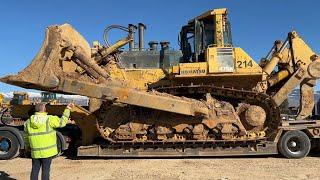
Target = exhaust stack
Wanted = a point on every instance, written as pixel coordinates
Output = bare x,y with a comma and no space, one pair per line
132,28
153,45
141,28
164,45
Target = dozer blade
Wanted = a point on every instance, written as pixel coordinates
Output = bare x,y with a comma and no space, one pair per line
45,68
63,44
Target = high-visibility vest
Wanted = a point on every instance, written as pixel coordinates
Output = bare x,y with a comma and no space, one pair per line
40,133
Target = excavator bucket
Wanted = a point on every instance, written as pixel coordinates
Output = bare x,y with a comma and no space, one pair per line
45,68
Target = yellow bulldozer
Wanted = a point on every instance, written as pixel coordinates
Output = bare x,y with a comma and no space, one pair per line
20,98
50,98
207,96
3,103
11,111
1,100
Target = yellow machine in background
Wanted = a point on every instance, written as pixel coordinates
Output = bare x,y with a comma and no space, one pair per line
50,98
1,99
3,103
20,98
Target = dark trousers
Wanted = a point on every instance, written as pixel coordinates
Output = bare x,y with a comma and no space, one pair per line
45,164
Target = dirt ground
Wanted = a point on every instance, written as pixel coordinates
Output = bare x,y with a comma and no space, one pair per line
192,168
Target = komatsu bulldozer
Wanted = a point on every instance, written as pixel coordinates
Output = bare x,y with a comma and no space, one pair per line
207,95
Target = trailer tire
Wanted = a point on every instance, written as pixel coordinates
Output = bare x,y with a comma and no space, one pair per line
9,146
294,144
61,145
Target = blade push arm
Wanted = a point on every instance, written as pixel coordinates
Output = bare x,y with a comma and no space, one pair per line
297,65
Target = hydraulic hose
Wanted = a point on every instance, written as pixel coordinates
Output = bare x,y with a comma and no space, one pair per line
106,32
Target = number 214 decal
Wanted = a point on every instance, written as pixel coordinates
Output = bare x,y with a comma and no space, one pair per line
244,64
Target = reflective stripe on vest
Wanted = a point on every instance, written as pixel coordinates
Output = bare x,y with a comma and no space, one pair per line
61,120
44,148
43,133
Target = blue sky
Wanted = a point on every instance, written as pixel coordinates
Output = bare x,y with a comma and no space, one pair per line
255,24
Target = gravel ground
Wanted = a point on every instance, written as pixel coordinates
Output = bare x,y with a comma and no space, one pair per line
192,168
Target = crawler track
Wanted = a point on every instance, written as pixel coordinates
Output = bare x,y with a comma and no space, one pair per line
231,94
227,94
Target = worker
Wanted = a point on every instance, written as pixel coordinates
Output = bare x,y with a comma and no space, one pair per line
41,138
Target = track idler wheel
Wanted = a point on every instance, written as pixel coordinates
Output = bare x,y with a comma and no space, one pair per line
252,116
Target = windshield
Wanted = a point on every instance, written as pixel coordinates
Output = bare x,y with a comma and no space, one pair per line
208,32
187,43
227,34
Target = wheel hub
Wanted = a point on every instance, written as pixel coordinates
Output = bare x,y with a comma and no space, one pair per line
4,145
293,144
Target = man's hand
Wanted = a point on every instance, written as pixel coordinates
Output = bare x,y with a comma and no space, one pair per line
70,121
70,106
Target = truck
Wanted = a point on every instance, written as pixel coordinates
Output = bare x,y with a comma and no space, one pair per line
209,98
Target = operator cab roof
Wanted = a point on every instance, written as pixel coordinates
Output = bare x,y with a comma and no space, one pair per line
209,14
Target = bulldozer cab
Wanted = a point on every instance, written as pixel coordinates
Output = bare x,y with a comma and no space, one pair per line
49,97
209,29
20,98
206,45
